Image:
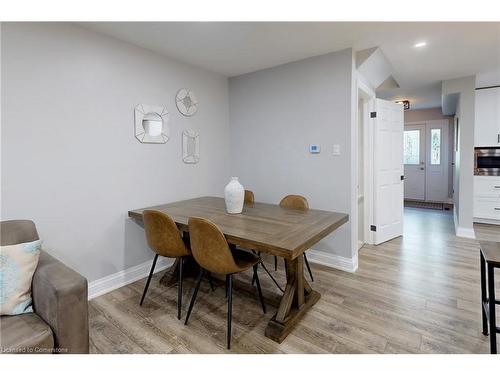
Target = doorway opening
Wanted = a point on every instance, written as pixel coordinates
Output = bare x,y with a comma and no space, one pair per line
427,164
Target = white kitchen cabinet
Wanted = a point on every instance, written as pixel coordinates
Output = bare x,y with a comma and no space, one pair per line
487,199
487,120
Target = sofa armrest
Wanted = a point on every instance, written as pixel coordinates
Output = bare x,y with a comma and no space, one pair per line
60,299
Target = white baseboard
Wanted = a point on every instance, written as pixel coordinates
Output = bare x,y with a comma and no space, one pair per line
332,260
461,231
465,232
117,280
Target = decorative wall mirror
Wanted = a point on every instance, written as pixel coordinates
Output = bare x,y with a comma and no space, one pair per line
190,146
151,124
186,102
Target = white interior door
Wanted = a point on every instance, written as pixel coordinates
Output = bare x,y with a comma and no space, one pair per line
388,171
436,166
414,161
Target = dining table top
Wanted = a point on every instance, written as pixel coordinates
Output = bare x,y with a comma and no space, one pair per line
261,226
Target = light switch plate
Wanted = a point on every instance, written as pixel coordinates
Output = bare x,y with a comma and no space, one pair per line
314,149
336,149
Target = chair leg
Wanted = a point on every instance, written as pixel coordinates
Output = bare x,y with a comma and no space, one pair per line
253,277
179,289
210,280
227,283
308,268
149,279
275,263
229,310
258,287
271,276
193,298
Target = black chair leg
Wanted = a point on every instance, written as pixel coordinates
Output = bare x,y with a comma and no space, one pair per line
253,277
227,283
275,263
193,298
308,268
229,310
491,308
210,280
258,287
149,279
179,289
271,276
484,297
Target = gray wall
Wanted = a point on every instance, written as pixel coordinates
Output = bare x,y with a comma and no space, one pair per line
70,160
275,114
464,158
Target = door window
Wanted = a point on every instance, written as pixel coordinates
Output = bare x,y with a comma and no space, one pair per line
435,146
412,147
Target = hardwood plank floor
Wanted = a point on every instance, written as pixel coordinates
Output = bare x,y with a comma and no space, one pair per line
415,294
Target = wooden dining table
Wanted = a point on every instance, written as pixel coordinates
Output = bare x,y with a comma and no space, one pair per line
267,228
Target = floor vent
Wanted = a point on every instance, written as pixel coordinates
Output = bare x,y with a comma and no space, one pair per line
428,205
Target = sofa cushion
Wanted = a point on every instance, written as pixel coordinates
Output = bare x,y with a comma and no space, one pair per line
26,333
17,266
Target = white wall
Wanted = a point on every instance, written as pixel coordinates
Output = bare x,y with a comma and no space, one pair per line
70,160
464,157
275,114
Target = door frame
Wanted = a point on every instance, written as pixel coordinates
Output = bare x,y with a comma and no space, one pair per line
367,95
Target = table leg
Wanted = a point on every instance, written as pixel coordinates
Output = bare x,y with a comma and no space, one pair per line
190,269
484,298
296,301
491,298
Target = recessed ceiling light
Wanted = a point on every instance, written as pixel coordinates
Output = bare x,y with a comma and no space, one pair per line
420,44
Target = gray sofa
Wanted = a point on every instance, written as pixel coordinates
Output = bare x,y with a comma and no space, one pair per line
59,323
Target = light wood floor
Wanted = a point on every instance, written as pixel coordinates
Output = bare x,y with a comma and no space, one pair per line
415,294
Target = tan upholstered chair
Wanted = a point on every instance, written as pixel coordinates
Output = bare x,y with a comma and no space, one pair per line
297,202
59,323
211,251
164,239
249,197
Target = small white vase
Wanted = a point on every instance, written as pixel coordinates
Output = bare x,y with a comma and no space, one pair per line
234,195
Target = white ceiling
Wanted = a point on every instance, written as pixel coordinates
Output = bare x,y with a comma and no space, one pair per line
233,48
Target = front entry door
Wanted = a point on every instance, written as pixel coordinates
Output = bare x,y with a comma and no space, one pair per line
426,161
414,160
436,169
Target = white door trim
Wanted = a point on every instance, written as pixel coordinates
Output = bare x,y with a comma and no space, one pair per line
368,96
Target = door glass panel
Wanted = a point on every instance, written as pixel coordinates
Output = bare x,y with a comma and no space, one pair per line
435,146
412,147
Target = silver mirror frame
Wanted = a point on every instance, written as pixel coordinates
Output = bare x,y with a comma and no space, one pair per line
141,111
186,156
186,102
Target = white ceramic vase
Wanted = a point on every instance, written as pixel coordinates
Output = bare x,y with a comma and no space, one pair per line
234,195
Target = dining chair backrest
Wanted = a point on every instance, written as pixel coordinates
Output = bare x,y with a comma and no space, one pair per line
209,247
297,202
162,235
249,197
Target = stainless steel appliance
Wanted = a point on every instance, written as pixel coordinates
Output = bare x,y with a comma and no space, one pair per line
487,161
